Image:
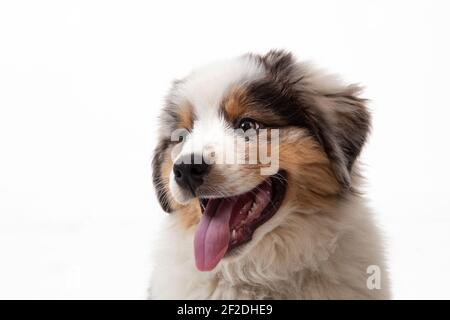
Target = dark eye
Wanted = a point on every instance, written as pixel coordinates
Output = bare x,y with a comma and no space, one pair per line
247,124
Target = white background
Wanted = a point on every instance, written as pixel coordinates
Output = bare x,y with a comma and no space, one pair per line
81,83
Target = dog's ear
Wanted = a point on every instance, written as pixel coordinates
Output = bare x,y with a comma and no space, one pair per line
352,121
160,185
345,129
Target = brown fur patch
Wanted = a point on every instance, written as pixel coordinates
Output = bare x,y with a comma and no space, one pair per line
186,116
190,214
234,104
312,183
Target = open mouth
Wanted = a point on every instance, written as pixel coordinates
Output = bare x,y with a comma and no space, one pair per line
227,223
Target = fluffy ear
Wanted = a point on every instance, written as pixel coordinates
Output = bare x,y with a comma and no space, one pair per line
160,185
352,121
346,127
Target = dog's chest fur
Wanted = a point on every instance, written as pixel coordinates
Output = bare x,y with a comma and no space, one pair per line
309,256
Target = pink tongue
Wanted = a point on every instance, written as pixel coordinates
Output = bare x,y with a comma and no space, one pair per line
213,233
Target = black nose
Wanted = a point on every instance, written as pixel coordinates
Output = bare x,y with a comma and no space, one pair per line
190,171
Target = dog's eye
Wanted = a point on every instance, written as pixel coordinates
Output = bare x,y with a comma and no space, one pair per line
247,124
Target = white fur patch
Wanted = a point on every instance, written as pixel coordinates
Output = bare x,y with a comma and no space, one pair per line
204,89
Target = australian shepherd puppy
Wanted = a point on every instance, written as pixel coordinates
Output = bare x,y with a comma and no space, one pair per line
256,164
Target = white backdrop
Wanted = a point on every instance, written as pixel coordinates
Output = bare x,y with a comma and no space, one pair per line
81,83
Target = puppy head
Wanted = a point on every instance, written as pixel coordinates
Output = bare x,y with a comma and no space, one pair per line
244,140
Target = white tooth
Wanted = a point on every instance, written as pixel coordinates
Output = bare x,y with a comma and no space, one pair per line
233,234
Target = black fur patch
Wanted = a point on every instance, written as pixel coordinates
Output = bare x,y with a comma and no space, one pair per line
271,96
354,127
